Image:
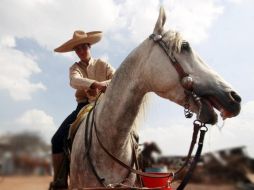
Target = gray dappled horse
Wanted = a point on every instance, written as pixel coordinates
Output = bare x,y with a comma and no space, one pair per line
148,68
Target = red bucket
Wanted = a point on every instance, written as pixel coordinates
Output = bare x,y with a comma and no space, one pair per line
157,182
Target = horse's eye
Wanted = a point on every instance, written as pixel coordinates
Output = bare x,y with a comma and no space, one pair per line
185,46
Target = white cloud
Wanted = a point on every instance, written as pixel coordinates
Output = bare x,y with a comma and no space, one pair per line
136,20
8,41
52,22
236,1
175,139
193,18
16,70
37,121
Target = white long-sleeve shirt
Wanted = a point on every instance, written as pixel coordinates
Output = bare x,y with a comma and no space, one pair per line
82,75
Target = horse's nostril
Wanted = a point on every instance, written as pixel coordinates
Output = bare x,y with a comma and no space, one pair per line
235,97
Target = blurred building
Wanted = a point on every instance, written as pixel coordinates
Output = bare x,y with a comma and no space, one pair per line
24,154
6,157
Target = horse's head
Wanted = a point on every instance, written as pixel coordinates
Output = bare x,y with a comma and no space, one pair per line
177,73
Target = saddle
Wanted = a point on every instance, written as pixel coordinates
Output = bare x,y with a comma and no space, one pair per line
75,125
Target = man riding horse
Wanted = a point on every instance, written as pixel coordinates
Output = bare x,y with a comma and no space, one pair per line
89,77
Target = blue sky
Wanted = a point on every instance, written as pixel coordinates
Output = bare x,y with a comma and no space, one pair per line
34,87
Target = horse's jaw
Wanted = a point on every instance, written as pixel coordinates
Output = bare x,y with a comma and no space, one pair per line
206,113
225,104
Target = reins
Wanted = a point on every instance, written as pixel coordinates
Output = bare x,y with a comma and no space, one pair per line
197,127
88,143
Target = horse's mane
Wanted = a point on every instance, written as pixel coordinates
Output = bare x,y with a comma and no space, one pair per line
142,112
173,40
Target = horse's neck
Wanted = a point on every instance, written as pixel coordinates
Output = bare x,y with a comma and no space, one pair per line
120,105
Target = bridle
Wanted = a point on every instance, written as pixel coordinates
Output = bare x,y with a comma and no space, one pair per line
185,79
187,83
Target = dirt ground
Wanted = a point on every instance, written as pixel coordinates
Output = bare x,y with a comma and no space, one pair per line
41,183
24,183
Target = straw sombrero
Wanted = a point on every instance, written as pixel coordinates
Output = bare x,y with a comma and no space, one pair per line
80,37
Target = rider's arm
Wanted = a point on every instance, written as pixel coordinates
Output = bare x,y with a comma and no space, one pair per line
102,86
78,80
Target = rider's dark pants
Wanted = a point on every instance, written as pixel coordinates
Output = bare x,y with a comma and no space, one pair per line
61,134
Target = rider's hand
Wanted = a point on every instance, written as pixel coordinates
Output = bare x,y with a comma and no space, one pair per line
92,92
99,85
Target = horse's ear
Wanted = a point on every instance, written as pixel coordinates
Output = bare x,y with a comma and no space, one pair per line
158,29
